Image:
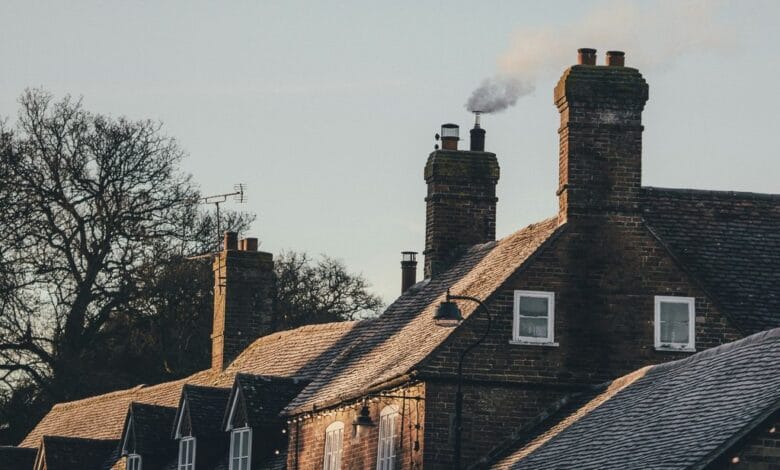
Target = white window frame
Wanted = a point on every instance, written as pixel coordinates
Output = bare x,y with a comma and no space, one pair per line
183,443
334,445
691,303
243,454
134,462
385,453
547,341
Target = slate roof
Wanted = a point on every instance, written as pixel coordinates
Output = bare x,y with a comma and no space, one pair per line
680,414
293,353
390,346
730,242
14,458
265,397
67,453
206,407
151,432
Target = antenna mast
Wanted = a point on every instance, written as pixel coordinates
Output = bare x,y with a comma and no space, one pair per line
239,196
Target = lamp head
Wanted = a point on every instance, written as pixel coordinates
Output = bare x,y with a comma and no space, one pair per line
448,314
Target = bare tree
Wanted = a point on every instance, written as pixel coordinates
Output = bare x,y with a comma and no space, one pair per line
90,206
321,291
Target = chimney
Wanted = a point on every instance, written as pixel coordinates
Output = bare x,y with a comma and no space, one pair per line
460,204
244,291
408,270
477,135
600,137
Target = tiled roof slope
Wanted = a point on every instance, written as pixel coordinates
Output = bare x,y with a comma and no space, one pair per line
295,353
151,430
730,242
67,453
680,414
394,343
265,397
15,458
206,406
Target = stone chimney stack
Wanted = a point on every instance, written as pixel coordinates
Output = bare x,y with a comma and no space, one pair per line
600,136
244,292
461,202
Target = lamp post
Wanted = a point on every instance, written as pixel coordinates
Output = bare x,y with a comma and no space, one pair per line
448,315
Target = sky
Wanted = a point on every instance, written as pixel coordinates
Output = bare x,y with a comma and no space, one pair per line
327,110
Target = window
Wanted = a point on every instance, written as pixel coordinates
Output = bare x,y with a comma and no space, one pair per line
674,323
534,317
240,449
334,438
187,453
133,462
385,458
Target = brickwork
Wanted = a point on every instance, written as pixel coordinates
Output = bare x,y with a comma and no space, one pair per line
307,437
502,408
460,205
759,450
244,286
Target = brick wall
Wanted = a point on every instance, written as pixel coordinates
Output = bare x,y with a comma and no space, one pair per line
460,205
605,273
244,285
759,450
308,436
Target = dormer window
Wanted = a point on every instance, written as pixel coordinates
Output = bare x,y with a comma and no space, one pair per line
534,317
675,323
187,453
241,449
133,462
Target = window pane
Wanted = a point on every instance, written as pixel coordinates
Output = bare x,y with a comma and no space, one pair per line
533,306
674,322
533,327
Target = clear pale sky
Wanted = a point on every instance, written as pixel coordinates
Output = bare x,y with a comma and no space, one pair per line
327,109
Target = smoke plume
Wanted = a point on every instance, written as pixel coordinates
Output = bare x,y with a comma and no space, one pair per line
654,35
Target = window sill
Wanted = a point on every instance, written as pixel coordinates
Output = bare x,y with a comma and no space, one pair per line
533,343
674,349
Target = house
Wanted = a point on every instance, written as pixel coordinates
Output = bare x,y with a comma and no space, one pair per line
622,279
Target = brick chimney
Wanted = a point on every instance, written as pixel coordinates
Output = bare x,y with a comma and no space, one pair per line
600,136
461,201
244,288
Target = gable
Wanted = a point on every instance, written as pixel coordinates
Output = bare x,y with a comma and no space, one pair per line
730,242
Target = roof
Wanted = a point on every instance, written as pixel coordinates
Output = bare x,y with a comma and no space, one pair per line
67,453
205,408
265,397
390,346
294,353
680,414
14,458
151,429
730,242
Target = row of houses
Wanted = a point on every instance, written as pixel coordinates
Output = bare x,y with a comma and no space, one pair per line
635,328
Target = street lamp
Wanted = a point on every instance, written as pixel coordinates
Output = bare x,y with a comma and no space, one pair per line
448,315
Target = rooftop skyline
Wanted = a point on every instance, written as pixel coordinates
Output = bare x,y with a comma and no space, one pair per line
327,111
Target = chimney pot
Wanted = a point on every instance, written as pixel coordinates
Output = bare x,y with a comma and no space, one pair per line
450,135
616,58
230,241
408,270
250,244
477,136
586,56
